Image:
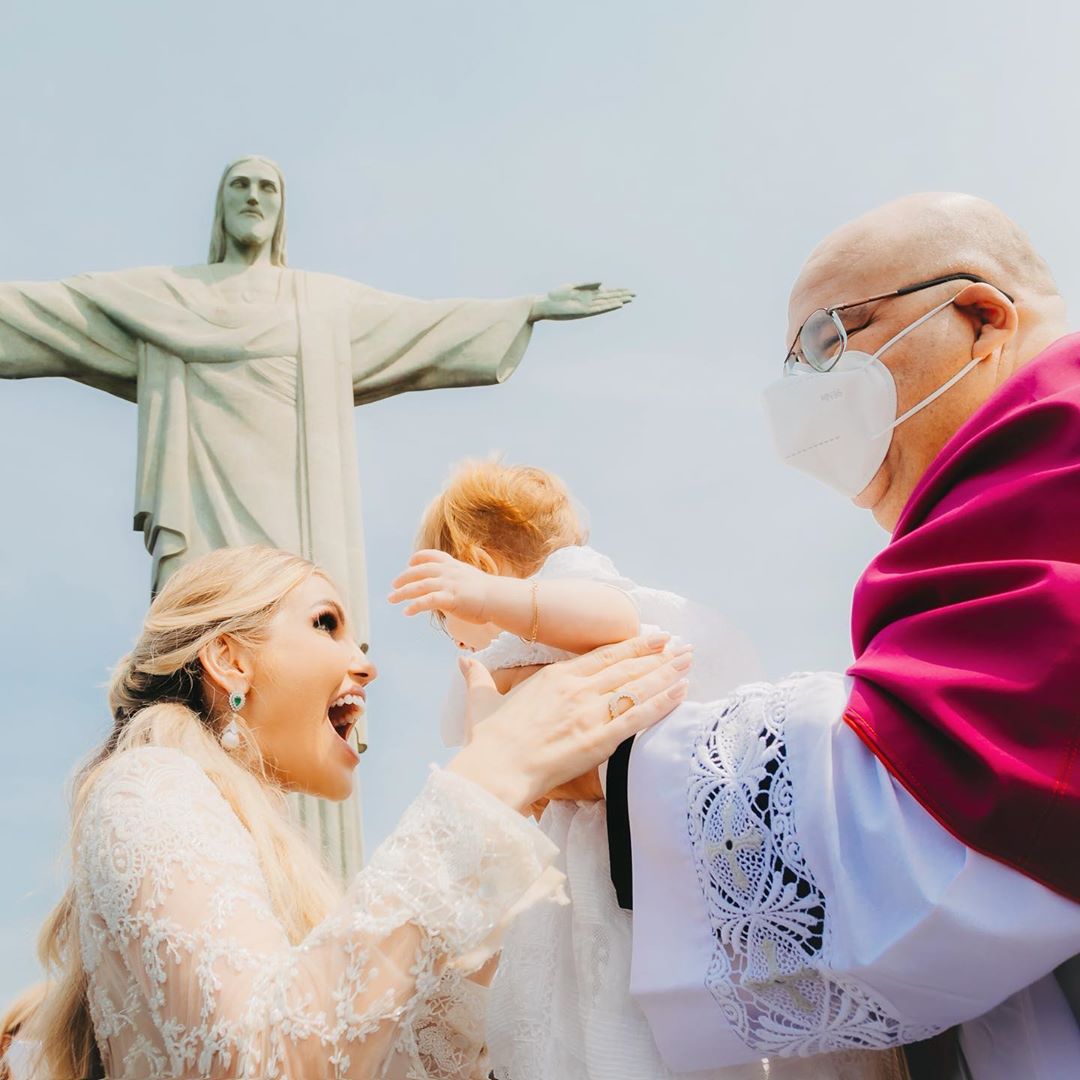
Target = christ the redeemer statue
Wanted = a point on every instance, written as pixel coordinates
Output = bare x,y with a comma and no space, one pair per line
245,374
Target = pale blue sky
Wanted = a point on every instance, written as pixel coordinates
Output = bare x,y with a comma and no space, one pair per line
695,151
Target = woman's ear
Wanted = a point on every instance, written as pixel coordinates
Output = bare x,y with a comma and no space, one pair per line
227,664
992,315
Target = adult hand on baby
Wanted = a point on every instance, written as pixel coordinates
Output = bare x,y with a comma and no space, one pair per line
436,581
484,698
556,725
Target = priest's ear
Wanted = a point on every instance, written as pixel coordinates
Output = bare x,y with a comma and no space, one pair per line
227,666
992,315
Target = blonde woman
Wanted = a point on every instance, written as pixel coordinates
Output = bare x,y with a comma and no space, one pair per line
202,937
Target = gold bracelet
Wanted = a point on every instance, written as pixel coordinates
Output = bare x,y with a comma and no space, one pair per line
535,613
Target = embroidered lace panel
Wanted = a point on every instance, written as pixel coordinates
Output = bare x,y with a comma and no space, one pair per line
770,967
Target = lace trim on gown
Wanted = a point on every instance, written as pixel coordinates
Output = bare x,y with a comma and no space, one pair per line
190,973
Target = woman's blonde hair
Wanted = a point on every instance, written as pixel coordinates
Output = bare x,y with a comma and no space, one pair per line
501,518
15,1019
158,698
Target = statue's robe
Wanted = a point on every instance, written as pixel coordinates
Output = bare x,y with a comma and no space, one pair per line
245,410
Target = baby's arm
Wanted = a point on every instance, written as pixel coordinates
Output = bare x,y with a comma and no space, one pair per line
572,614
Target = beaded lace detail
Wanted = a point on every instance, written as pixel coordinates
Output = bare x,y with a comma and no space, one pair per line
770,967
191,974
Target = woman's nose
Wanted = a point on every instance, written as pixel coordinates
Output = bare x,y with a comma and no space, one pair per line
363,668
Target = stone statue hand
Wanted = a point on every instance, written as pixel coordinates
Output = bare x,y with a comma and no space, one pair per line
579,301
435,581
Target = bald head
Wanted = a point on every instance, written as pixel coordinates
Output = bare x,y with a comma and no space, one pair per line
927,236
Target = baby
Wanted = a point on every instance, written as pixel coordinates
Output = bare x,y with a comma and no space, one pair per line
503,566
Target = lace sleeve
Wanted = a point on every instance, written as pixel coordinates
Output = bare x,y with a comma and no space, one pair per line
169,887
446,1036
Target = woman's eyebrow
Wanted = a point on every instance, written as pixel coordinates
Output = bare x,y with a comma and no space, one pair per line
339,611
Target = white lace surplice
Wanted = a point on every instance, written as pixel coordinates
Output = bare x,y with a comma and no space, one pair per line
820,907
191,974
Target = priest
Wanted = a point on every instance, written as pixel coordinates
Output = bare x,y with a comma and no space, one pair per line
888,857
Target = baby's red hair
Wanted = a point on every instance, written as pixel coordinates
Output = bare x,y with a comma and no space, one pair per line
501,518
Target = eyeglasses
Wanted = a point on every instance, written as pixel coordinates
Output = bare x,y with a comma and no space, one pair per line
822,338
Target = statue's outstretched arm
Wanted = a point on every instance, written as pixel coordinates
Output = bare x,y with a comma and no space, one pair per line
579,301
47,329
401,344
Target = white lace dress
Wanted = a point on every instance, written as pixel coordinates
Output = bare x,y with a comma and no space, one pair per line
190,973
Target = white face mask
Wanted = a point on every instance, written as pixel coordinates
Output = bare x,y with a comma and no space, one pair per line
837,425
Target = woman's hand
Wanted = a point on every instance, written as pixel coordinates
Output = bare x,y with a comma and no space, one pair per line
557,726
435,581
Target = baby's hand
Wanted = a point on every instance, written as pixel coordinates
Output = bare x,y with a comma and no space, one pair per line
435,581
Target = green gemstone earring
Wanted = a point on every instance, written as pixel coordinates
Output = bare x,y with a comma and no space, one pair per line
230,737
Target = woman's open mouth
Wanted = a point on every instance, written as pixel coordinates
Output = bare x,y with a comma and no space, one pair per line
344,713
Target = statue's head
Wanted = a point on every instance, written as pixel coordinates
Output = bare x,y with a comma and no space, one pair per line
250,208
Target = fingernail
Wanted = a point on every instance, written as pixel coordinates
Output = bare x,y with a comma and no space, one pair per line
678,691
682,663
683,649
656,641
463,664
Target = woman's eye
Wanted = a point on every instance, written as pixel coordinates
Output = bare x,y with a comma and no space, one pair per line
326,621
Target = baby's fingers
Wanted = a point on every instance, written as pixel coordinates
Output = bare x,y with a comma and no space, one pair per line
435,601
430,555
415,573
415,589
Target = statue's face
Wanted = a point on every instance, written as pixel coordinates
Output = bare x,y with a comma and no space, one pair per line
252,203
